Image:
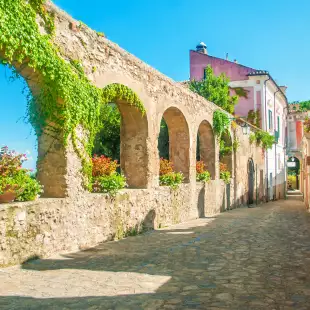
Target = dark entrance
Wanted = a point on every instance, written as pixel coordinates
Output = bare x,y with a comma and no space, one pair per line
251,177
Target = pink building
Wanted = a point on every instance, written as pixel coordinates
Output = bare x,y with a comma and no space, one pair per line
262,95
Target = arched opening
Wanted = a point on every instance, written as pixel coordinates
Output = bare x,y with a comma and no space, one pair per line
173,140
206,147
226,151
18,141
251,180
124,138
293,171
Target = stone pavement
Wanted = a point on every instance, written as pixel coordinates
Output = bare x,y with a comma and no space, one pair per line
242,259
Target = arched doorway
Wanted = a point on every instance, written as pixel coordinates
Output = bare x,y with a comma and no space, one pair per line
174,140
124,138
206,147
251,180
293,170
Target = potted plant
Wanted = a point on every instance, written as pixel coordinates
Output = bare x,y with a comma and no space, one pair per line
8,193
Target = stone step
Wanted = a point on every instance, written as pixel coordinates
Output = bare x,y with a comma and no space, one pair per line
294,197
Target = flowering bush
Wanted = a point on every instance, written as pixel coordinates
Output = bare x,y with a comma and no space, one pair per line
105,177
200,166
224,173
167,177
172,179
165,167
14,178
109,183
103,165
201,173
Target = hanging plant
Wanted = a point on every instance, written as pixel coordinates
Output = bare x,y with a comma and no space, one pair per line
221,122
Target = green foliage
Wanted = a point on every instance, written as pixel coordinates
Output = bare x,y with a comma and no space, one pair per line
110,184
203,176
236,145
100,34
264,139
30,188
224,149
172,179
221,122
16,179
254,118
201,173
303,105
107,141
252,138
215,89
225,176
163,140
65,98
240,92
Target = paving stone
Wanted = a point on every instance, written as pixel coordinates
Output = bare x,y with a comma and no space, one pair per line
244,259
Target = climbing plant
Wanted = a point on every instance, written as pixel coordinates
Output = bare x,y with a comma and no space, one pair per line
215,89
264,139
221,122
65,97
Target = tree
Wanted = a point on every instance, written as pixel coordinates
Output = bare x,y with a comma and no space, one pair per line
215,89
163,140
303,105
107,141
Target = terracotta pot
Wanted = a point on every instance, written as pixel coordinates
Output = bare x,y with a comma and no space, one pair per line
8,196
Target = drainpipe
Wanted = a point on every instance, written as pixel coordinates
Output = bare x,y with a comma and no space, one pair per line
275,146
267,198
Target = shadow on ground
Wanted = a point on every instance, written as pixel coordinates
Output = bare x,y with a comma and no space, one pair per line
223,262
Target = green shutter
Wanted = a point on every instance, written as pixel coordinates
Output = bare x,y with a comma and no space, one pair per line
278,125
270,118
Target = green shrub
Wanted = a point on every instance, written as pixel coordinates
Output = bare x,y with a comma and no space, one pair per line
109,183
225,176
252,138
236,145
264,139
30,188
172,179
16,179
204,176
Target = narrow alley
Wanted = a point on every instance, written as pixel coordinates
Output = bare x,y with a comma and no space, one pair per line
257,258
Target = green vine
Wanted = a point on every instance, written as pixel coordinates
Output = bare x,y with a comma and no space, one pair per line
225,149
264,139
221,122
65,97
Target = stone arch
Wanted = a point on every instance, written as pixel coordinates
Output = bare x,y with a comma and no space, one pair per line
207,146
227,159
52,169
133,139
293,167
179,140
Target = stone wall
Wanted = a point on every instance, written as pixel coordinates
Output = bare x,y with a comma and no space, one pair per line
48,226
75,219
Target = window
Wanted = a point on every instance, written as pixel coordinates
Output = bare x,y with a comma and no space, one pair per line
270,119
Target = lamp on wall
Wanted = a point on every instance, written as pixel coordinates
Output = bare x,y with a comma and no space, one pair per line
245,129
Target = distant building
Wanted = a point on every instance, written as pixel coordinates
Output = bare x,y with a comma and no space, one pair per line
264,95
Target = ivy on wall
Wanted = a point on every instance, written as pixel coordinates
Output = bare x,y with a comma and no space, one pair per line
65,97
221,122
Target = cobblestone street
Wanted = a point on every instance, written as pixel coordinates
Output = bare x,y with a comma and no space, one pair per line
256,258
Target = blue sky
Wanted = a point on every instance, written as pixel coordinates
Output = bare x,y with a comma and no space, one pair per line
269,35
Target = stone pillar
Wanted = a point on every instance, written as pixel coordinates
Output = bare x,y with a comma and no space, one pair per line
58,167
